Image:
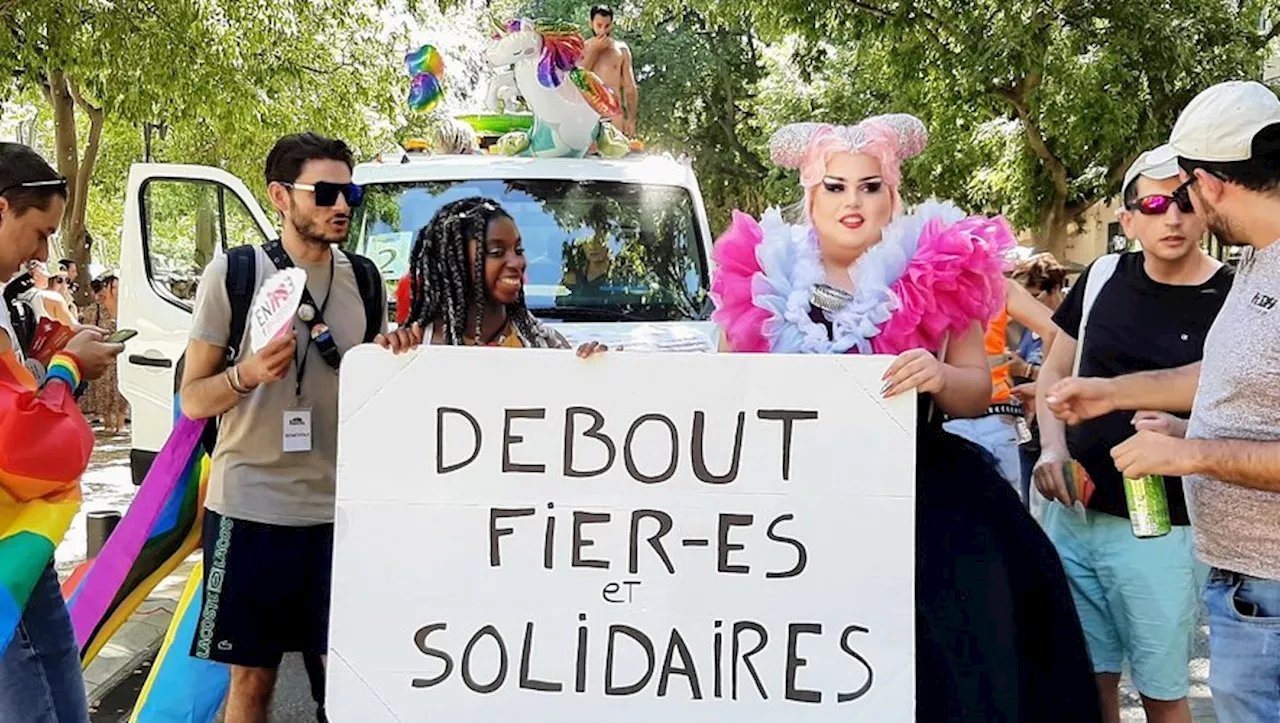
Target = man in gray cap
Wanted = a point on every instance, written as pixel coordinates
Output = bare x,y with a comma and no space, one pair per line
1137,597
1228,145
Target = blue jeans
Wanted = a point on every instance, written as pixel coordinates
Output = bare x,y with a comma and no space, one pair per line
40,678
1244,646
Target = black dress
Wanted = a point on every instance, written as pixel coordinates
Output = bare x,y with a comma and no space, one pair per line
997,635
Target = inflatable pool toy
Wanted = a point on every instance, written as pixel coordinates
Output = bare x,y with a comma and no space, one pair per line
567,103
498,123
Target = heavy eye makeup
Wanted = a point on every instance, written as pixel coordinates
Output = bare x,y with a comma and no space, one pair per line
868,185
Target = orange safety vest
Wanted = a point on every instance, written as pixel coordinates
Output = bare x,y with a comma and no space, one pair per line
1001,377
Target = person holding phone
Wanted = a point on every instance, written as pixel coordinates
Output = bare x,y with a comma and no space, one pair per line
40,676
103,398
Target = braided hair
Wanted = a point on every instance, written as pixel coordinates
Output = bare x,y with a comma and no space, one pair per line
441,290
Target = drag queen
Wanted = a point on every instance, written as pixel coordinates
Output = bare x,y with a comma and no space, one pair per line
997,637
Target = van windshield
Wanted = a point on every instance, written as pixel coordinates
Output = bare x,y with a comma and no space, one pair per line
597,250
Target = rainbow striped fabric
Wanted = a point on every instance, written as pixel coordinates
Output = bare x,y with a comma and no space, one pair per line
45,444
159,531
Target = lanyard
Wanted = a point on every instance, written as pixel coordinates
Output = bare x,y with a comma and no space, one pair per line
315,331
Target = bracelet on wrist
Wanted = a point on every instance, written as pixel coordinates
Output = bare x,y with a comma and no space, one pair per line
67,367
233,380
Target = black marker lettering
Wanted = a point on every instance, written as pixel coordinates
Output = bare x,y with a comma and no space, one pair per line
718,656
580,660
787,417
630,461
509,440
699,451
645,643
655,540
579,542
549,539
526,657
844,645
420,640
728,521
441,467
802,555
795,662
759,630
491,632
496,533
597,423
687,669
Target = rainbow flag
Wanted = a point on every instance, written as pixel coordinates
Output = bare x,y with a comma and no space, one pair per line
180,688
159,531
45,444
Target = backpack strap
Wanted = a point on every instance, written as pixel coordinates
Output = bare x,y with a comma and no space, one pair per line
372,292
242,275
1098,275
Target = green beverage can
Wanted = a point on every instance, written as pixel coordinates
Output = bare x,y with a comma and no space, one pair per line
1148,506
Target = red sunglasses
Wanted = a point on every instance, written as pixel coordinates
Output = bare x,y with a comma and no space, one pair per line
1159,205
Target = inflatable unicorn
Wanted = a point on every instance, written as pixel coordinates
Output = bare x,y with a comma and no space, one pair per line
567,102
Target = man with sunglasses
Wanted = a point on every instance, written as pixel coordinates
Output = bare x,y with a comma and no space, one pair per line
1137,597
268,539
1228,145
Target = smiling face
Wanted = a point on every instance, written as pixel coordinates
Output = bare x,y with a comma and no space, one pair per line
504,262
850,207
1170,236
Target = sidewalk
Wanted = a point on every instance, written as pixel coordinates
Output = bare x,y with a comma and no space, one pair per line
139,637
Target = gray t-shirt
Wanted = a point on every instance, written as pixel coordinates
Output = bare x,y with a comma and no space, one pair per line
252,477
1238,528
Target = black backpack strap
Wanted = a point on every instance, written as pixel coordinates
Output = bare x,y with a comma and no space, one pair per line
373,293
242,276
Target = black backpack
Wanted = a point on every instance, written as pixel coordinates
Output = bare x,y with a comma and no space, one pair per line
22,315
241,281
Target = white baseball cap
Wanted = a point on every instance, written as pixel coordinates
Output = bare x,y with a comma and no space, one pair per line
1157,163
1218,125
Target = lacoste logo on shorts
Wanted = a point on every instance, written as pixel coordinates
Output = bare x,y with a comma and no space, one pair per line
224,645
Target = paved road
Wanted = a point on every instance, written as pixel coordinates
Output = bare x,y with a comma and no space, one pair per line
108,485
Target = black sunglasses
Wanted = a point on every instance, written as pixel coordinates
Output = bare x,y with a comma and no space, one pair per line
1159,205
327,193
56,183
1182,194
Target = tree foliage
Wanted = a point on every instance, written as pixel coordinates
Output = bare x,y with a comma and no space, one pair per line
1035,107
224,77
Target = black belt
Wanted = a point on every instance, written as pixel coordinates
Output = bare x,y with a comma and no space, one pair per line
1013,410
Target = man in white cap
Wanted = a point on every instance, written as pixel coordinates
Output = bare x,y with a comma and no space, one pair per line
1137,597
1228,146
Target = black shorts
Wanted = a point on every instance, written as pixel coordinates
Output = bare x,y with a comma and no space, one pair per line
266,591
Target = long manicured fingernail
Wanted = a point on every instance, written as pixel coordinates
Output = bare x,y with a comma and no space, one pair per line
885,388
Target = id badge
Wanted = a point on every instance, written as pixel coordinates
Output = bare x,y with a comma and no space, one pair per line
1024,430
297,429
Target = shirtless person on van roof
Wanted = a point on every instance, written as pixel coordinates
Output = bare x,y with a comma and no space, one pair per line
611,60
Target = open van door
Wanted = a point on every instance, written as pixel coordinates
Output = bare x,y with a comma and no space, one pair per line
176,219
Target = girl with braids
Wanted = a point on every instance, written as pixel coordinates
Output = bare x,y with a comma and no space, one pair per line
466,281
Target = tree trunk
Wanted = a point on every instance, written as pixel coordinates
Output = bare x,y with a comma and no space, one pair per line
1053,228
64,98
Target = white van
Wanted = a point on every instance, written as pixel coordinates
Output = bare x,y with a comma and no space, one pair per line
618,251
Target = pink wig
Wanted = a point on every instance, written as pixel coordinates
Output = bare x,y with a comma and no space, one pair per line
890,139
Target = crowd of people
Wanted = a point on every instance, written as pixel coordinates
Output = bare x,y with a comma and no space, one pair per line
1033,588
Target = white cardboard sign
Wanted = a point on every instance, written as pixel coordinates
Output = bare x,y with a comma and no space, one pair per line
522,535
274,306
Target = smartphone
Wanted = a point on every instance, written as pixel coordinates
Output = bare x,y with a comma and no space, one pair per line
120,336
